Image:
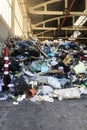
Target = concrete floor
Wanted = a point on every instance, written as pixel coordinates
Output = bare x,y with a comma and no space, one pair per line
59,115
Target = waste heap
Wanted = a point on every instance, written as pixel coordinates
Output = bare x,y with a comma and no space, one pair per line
43,71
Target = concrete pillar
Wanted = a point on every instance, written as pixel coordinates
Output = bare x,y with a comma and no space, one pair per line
13,16
25,27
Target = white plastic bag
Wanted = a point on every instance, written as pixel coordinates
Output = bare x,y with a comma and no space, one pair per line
79,68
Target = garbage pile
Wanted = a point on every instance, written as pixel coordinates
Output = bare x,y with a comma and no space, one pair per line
42,71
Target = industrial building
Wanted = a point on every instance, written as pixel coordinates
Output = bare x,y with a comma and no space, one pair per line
43,64
42,18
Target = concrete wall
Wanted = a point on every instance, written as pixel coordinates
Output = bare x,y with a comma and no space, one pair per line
5,31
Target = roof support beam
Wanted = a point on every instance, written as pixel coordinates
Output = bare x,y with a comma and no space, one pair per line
66,5
43,28
74,28
45,12
78,13
73,21
52,19
86,5
63,28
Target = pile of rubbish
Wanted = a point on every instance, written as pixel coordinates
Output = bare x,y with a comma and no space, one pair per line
43,71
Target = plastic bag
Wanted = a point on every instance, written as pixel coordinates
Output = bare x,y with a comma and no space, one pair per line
79,68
